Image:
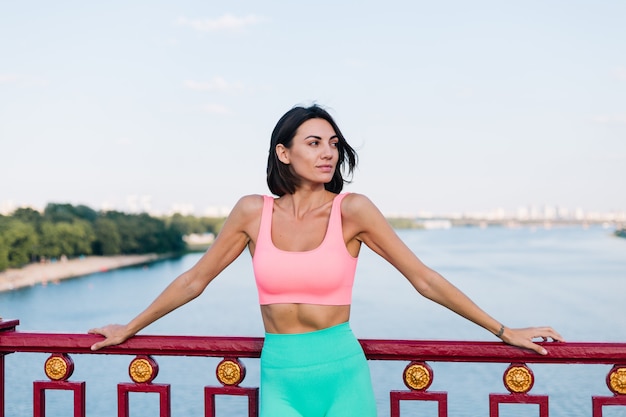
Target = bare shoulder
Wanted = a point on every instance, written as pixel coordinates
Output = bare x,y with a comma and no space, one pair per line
249,205
356,205
363,221
360,215
234,236
245,214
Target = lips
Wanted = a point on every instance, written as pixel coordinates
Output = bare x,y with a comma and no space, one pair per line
325,168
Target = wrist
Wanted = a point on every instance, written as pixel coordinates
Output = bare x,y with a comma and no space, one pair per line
129,330
500,331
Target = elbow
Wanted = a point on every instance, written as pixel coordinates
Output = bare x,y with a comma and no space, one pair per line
425,284
424,289
192,286
193,291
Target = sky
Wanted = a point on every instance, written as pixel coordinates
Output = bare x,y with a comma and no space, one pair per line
452,106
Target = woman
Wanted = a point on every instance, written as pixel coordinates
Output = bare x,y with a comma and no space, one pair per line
304,247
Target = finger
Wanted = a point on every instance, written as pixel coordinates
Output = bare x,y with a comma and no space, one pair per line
539,349
556,336
552,335
98,330
545,333
97,346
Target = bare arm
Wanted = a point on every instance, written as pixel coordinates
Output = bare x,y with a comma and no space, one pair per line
363,219
229,244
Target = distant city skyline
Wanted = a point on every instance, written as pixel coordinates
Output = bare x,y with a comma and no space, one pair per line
142,204
452,106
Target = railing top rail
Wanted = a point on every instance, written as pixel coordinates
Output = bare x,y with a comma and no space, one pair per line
471,351
375,349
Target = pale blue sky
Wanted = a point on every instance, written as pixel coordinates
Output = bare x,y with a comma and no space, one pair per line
453,105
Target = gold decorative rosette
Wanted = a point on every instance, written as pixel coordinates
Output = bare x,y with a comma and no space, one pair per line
418,376
230,372
616,380
143,369
59,367
518,378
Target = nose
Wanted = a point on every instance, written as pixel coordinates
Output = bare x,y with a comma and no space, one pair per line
327,150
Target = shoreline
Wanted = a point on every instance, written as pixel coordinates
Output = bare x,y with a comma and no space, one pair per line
54,272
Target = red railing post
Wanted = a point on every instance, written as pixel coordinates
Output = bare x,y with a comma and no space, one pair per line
211,392
418,376
1,384
441,398
599,402
518,379
39,396
496,399
58,367
162,389
230,372
142,370
616,381
5,326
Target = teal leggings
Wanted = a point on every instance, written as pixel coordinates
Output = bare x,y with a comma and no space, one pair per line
318,374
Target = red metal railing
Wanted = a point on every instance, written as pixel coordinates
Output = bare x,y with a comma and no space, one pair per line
417,376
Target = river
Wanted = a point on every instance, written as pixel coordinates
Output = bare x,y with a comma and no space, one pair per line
571,278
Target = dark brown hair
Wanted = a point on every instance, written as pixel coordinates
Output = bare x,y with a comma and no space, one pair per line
280,179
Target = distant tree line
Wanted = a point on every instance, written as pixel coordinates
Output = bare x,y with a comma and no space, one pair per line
28,235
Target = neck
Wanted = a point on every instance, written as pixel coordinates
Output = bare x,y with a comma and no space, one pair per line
304,201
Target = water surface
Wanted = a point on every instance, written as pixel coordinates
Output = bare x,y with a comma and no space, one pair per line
571,278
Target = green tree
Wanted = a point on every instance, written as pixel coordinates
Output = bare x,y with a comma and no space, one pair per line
81,237
152,234
214,224
86,213
50,242
4,254
141,233
108,240
185,224
56,213
192,224
28,215
4,246
64,238
20,242
128,232
174,238
64,229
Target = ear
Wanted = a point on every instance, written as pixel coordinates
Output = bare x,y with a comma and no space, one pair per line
282,153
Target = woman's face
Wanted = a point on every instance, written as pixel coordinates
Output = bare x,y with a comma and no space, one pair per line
313,154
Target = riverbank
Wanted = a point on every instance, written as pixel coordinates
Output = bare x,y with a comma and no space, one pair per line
54,272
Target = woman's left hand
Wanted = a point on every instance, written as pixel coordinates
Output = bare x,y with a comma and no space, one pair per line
524,337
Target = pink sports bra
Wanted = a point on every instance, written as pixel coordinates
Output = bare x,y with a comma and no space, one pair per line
323,275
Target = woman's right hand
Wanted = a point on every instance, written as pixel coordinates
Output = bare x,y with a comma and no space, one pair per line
114,334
